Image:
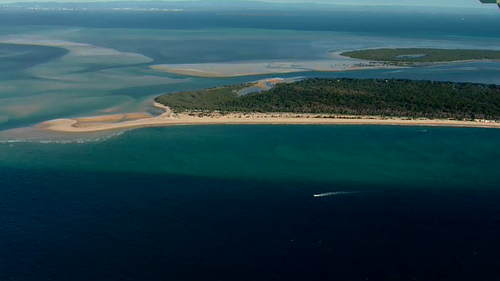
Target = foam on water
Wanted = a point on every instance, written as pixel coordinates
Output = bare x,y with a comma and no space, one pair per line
32,135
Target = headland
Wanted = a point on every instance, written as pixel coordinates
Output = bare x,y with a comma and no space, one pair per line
313,101
422,56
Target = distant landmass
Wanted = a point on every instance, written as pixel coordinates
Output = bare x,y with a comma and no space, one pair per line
362,97
240,6
410,56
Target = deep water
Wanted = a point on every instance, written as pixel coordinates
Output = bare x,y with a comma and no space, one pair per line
236,203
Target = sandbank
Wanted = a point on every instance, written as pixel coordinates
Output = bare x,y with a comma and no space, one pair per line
335,62
227,70
78,50
196,118
114,117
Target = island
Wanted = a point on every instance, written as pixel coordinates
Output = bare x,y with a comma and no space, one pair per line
417,56
314,101
384,58
354,97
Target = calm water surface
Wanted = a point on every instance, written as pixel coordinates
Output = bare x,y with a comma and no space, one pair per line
236,203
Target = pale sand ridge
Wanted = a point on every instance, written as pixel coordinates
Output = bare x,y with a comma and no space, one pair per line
226,70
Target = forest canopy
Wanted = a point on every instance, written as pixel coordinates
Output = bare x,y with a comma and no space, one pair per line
375,97
420,55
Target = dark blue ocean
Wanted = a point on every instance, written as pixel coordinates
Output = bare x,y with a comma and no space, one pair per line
237,203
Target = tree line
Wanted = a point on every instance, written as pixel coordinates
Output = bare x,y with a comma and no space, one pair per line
414,55
377,97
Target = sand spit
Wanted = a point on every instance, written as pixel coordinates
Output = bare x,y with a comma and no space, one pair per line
263,84
196,118
107,122
114,117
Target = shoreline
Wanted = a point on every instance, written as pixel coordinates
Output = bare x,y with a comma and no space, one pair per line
339,55
176,119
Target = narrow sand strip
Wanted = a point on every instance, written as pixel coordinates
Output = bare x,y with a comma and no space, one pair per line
114,117
169,119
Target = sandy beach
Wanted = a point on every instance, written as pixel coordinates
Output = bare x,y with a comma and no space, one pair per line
103,123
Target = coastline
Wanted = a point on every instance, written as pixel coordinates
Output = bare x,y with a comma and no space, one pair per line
78,125
339,55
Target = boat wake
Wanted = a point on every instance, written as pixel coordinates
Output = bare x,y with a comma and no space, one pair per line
326,194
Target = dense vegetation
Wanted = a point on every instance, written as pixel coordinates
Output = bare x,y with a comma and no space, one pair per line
403,98
206,100
422,55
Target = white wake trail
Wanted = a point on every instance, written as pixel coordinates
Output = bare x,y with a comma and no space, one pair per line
326,194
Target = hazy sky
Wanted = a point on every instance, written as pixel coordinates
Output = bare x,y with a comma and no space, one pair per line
440,3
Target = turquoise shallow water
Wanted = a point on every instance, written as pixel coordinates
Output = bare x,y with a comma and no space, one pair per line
346,154
236,202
